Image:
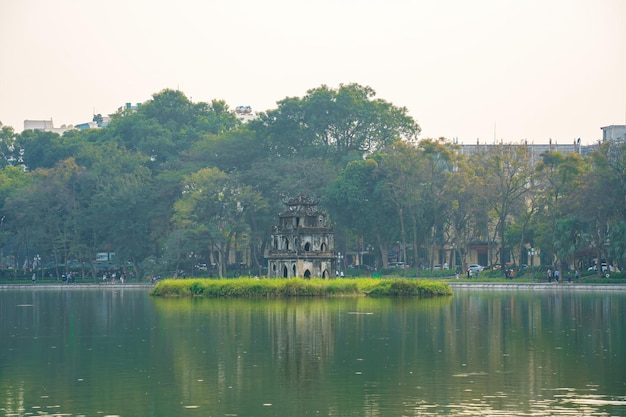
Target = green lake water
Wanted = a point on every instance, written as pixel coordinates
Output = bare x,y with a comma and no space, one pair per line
120,352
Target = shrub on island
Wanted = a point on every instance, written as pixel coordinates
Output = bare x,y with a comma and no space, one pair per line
299,287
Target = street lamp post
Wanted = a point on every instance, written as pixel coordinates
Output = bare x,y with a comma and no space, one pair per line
37,264
531,254
339,258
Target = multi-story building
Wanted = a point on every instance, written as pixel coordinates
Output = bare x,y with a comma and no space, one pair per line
536,150
46,126
614,133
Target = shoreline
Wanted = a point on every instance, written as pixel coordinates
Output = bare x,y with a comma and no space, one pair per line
536,286
82,286
453,285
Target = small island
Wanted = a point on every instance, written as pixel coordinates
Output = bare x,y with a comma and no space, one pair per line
299,287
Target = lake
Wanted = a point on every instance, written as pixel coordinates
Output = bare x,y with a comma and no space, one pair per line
119,352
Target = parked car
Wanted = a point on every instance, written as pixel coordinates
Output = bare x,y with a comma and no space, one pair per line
595,267
475,268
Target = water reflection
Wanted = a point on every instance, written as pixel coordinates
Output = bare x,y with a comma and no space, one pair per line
105,352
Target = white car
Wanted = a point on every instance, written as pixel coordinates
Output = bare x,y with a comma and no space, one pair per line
475,268
595,267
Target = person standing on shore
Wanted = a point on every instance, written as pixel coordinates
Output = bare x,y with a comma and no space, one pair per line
556,276
549,273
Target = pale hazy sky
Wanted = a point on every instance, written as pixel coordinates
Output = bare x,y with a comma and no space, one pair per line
513,70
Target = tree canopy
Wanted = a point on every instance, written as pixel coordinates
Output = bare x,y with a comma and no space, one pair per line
172,178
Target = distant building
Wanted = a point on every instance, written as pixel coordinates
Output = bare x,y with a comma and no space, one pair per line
129,107
98,122
86,125
244,113
614,133
536,150
46,126
38,124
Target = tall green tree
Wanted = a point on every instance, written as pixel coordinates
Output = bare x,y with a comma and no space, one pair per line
603,201
10,152
356,200
118,203
466,213
41,149
213,209
232,151
166,127
334,123
504,172
557,182
13,181
45,214
437,161
400,167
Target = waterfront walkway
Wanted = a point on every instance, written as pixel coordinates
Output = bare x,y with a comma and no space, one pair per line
461,285
81,286
537,286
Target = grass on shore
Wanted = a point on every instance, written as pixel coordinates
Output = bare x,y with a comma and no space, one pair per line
299,287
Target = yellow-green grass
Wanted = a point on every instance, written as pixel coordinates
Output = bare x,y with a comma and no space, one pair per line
299,287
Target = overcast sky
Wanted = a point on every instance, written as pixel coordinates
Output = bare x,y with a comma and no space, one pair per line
481,69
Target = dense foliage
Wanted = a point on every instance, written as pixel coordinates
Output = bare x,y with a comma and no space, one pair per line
299,287
182,187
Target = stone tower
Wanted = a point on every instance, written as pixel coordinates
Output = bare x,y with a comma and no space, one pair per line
302,245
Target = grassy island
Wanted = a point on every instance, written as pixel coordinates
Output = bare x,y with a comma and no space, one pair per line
299,287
